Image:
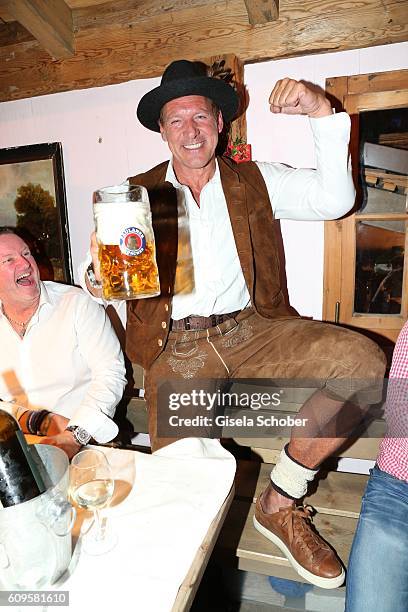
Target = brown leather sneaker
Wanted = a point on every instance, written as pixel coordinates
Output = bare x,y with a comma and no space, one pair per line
292,531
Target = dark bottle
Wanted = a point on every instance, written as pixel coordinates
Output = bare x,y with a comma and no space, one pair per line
20,479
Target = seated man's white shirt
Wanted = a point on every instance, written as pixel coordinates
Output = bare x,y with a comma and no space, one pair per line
209,279
69,361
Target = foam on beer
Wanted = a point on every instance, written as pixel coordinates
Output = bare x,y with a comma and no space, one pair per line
112,221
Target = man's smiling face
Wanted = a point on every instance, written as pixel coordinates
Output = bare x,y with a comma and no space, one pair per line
19,276
191,127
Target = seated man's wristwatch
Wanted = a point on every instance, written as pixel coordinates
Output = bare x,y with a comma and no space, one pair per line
80,434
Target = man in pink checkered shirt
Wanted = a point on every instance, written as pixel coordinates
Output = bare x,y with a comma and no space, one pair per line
393,455
378,568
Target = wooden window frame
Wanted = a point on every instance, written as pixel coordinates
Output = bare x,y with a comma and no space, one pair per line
374,91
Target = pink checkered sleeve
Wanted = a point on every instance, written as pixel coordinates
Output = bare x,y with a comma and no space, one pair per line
393,454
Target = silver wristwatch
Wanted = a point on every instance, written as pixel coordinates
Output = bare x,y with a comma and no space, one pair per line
80,434
90,273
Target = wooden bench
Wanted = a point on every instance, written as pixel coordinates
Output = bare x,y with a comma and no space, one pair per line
336,496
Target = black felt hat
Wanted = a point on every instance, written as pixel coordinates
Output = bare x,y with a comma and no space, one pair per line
184,78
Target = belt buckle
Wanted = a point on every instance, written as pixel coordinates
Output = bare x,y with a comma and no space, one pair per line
187,323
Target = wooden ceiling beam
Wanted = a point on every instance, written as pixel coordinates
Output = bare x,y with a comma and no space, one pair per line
13,33
49,21
262,11
4,14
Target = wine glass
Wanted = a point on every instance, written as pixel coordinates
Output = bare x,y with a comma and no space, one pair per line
91,487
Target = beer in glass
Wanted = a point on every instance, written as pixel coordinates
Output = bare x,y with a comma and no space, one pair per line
124,232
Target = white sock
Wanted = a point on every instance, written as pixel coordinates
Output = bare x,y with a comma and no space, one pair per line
290,478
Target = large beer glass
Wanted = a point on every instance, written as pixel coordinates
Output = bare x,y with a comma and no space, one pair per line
124,232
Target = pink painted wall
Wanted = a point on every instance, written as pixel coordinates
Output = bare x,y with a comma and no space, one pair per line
103,144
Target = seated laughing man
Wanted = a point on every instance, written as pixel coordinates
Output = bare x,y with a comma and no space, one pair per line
61,367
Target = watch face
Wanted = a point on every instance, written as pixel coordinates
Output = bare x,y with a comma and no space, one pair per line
80,435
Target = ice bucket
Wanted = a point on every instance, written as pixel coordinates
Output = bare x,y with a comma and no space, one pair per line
35,536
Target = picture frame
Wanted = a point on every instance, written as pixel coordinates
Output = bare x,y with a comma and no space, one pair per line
32,199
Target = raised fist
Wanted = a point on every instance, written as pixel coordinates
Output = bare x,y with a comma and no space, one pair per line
295,98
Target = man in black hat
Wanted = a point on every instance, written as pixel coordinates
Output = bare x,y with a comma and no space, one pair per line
221,312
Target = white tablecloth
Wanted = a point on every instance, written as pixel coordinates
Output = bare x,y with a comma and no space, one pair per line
175,494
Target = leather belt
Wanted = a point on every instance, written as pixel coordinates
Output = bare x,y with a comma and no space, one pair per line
194,322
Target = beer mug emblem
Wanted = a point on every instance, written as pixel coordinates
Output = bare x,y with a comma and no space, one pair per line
132,241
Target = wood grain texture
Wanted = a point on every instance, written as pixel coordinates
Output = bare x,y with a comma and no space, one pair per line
387,326
50,22
117,52
73,4
331,267
336,89
359,93
84,3
13,33
129,13
229,61
5,15
377,81
262,11
376,100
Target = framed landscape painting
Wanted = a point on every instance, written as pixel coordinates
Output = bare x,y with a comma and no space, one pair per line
32,199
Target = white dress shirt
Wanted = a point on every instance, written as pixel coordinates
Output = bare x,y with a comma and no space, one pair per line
209,279
69,361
